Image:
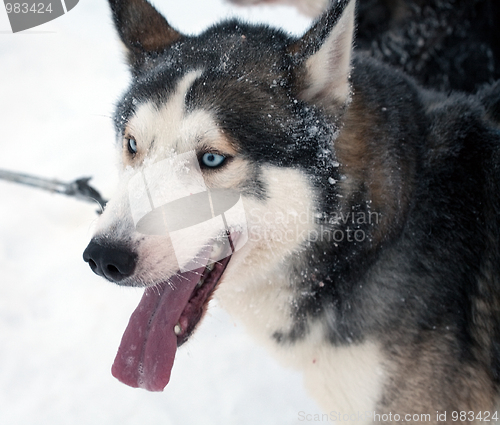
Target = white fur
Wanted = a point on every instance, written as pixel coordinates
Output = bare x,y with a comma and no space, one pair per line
346,379
343,379
255,288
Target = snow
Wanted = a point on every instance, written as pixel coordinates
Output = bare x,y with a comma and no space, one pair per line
60,325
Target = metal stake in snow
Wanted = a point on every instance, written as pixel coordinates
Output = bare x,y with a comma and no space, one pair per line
78,188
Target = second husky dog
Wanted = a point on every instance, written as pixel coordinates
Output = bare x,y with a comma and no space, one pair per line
444,44
346,216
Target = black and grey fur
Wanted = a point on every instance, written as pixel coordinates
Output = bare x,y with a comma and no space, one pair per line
444,44
402,315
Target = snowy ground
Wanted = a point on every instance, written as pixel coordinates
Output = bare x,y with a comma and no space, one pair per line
60,325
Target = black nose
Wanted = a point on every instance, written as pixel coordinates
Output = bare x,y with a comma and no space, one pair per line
115,263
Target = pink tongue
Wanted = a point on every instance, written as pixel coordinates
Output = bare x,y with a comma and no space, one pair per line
147,350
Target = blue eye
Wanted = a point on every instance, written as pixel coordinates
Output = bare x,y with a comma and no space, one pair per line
132,146
213,160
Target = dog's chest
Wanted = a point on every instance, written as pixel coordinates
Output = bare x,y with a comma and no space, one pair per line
343,379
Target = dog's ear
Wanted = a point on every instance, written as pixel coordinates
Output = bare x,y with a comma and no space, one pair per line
323,56
142,29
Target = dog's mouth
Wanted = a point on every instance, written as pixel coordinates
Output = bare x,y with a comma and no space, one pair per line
164,319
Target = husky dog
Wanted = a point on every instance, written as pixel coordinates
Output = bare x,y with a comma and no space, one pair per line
444,44
352,215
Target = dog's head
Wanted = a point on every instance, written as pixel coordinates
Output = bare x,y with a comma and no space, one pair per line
223,137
